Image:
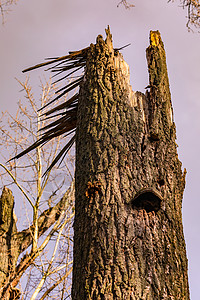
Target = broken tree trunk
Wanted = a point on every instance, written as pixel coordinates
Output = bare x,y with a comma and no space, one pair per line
8,244
128,233
14,243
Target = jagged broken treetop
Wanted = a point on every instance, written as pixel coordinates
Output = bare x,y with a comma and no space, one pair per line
64,116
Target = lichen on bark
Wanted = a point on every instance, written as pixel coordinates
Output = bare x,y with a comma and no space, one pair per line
125,149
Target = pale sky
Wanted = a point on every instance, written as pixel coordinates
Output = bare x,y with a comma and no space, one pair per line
37,29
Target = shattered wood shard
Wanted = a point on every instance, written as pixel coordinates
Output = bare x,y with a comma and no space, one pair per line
63,117
128,233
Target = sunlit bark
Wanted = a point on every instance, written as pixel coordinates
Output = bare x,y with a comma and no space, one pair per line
128,234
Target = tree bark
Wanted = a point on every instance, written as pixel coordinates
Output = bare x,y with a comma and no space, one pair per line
14,243
128,233
8,243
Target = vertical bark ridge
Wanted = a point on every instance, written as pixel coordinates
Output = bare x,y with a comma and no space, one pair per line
128,241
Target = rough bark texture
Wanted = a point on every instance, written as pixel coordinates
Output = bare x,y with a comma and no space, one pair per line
13,243
128,233
8,243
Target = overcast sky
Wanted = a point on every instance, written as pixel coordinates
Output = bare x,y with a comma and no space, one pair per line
37,29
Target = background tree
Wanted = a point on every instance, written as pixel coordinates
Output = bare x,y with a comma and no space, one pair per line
193,12
5,6
47,207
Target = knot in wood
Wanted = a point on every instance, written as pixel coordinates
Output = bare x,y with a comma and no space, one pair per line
92,189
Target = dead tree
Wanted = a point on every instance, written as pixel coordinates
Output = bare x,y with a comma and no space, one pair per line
128,232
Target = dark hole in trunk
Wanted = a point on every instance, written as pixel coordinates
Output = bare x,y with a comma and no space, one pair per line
147,199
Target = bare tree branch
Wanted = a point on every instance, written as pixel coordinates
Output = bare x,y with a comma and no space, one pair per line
193,12
46,219
126,4
5,7
55,284
52,207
